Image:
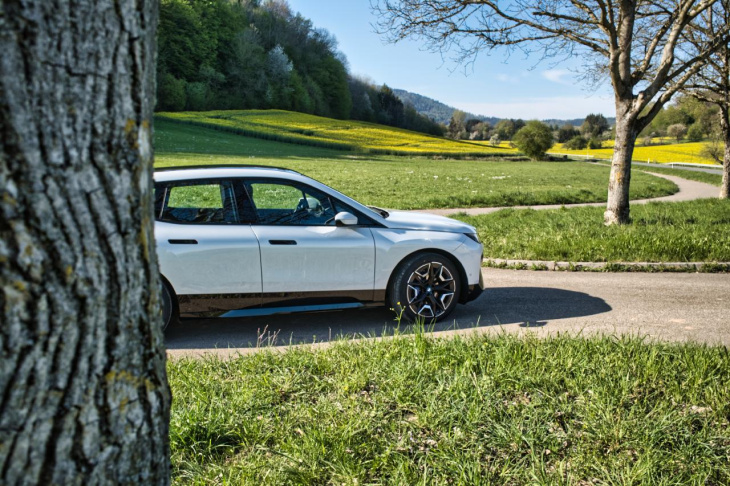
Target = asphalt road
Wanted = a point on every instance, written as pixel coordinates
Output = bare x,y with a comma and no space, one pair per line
663,306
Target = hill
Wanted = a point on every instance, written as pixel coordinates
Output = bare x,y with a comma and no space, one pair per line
349,135
441,112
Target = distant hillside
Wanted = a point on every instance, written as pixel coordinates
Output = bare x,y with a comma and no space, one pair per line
441,112
435,110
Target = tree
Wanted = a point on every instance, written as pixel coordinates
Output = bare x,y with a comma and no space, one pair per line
457,125
85,395
712,83
634,43
593,126
505,129
567,132
576,143
678,131
534,139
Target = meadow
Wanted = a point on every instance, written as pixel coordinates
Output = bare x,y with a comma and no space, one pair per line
689,152
403,182
465,410
692,231
349,135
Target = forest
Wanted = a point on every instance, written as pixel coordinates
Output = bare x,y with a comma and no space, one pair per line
249,54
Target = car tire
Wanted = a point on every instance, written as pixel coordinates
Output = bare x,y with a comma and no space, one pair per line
426,287
169,306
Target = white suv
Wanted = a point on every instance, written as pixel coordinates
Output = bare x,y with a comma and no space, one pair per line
247,240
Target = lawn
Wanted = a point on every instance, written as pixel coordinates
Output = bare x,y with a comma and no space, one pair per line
692,231
468,410
403,182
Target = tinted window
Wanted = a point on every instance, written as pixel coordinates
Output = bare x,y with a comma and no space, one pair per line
203,202
290,204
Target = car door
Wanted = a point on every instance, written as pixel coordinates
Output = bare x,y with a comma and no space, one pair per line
206,247
305,257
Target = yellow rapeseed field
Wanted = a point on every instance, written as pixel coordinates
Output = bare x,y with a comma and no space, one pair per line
344,134
677,152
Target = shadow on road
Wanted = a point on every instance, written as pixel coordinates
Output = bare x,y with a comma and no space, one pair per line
523,306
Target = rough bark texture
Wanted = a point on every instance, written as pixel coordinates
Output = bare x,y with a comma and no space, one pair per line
617,208
725,127
83,389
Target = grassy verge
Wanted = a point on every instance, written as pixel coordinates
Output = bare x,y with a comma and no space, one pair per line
468,410
661,232
693,175
404,183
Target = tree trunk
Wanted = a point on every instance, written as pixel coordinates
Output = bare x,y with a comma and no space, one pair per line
725,127
617,208
83,389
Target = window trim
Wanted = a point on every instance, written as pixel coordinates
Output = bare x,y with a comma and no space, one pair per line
246,185
239,193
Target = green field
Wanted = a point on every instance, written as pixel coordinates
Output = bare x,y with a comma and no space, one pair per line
317,131
693,231
403,182
468,410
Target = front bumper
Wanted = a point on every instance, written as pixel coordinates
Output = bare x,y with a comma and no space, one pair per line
475,290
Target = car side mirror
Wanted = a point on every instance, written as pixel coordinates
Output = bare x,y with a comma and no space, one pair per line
345,219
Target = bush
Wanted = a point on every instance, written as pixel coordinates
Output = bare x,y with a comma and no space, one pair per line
695,133
576,143
534,139
595,144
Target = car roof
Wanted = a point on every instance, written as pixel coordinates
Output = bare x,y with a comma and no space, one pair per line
181,173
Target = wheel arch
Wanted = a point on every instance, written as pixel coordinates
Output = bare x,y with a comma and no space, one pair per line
173,295
464,282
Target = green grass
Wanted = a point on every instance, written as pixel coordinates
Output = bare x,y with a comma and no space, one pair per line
661,232
693,175
317,131
400,182
468,410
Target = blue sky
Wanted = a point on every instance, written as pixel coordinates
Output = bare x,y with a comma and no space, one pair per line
493,86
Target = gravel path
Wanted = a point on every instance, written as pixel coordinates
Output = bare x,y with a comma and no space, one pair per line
688,191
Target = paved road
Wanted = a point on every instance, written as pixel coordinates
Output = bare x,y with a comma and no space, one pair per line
688,191
665,306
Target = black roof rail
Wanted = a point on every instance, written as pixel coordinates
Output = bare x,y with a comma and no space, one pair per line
224,166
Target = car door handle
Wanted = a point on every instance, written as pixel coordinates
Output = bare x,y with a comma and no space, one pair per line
282,242
183,242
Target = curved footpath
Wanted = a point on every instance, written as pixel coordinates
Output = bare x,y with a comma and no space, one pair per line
688,191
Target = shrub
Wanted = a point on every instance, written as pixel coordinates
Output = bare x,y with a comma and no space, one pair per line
695,133
534,139
576,143
595,144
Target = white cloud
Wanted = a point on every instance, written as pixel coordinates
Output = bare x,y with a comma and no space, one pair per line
558,76
560,107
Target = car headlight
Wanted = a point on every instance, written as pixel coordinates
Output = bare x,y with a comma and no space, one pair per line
473,236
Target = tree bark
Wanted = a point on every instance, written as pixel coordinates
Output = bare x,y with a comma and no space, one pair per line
617,207
83,390
725,127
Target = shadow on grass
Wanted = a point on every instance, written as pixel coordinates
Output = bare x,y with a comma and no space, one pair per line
524,306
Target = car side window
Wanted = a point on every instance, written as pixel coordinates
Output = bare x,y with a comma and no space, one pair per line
200,202
282,203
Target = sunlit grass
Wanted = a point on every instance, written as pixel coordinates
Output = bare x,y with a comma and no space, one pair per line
676,152
468,410
403,182
323,132
692,231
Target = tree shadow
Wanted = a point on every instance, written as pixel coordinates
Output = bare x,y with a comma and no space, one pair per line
523,306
